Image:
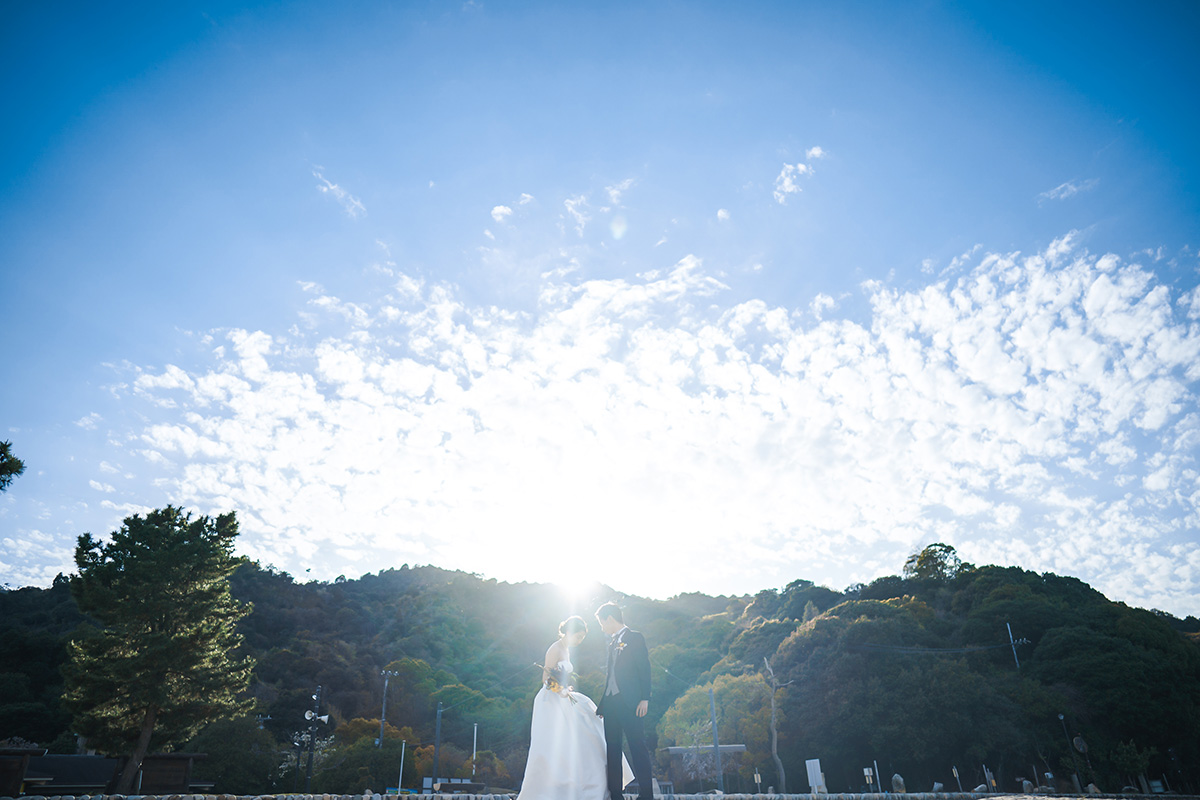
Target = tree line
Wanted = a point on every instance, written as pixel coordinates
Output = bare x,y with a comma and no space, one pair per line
164,640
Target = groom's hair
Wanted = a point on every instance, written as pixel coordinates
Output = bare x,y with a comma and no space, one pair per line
609,610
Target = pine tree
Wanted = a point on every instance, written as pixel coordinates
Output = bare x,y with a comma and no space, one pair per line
10,466
161,664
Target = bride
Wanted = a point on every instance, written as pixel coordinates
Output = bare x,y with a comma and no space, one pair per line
567,758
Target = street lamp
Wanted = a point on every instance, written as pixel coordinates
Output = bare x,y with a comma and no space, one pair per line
311,716
387,673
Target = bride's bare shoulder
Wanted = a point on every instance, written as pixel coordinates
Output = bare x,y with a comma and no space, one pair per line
555,653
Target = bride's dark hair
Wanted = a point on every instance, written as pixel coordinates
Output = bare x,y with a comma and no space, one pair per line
572,625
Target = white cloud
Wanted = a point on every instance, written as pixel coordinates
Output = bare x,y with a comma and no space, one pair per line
814,153
785,182
89,422
499,213
820,304
576,207
349,203
722,214
617,190
995,411
1068,189
525,199
101,487
961,260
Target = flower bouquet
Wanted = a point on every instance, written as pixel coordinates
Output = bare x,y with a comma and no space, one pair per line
559,682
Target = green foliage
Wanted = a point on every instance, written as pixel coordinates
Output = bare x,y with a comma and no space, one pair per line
362,765
452,761
359,728
743,709
913,671
1129,761
34,624
10,466
160,661
487,768
761,639
937,562
850,703
242,757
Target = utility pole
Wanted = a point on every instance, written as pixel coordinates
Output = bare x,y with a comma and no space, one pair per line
775,687
712,710
437,742
383,714
474,744
1013,644
400,780
1071,748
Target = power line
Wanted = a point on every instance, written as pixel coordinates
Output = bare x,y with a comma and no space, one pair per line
672,674
888,648
493,686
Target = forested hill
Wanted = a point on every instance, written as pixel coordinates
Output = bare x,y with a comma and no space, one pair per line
913,672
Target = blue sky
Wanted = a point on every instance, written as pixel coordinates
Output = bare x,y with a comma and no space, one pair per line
677,296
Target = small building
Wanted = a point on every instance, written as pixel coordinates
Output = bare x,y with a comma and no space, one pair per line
161,773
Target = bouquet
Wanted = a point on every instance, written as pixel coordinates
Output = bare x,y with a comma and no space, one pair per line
559,682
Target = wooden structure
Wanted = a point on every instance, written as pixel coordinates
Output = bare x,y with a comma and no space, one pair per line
14,763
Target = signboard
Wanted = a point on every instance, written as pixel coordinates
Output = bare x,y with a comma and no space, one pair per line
816,779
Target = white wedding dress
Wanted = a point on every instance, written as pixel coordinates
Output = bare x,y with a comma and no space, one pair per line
567,754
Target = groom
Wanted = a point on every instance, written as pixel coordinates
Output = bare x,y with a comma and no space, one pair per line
625,702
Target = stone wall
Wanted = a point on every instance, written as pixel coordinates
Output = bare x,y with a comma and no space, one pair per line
908,796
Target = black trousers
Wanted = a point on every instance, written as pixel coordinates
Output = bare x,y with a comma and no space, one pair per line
621,720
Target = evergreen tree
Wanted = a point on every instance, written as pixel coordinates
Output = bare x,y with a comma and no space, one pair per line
937,562
161,664
10,466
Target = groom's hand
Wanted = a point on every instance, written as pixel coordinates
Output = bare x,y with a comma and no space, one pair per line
642,708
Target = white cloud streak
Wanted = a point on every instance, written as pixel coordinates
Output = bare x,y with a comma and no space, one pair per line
349,203
576,207
1068,189
1037,411
616,191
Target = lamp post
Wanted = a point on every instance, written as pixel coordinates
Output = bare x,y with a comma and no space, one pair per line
387,673
312,738
1071,750
400,780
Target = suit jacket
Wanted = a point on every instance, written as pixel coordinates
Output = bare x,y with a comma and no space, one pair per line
632,668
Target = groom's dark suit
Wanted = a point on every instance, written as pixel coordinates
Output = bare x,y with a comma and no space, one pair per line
627,684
